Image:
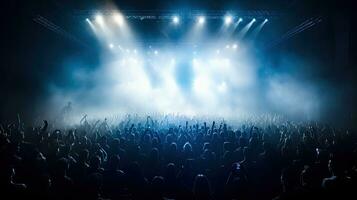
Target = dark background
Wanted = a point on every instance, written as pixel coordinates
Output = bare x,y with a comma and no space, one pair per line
32,55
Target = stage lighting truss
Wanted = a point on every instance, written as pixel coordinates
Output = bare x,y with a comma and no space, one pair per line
238,15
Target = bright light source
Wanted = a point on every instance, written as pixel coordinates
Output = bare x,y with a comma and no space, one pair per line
99,19
227,46
111,45
228,19
240,19
156,52
266,20
87,20
234,46
201,19
135,51
218,51
176,19
118,18
254,20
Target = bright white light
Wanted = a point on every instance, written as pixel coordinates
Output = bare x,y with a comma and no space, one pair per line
240,19
111,45
201,19
135,51
228,20
87,20
176,19
227,46
156,52
218,51
99,19
118,18
266,20
234,46
254,20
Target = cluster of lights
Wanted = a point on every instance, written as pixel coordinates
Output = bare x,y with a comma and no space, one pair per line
228,19
119,19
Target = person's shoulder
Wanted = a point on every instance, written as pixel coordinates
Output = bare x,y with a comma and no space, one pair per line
327,182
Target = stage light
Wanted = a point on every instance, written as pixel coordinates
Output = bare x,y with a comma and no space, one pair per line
118,19
87,20
228,19
201,19
240,19
175,19
234,46
266,20
254,20
111,45
99,19
156,52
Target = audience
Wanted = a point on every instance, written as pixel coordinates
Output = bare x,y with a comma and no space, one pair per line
161,160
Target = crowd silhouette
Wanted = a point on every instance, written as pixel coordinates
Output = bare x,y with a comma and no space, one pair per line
151,159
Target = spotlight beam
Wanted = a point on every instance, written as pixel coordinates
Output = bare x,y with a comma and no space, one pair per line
244,31
58,30
257,30
294,31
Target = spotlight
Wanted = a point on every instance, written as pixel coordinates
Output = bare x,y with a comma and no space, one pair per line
156,52
234,46
228,19
254,20
99,19
266,20
111,46
118,19
240,19
175,19
201,19
87,20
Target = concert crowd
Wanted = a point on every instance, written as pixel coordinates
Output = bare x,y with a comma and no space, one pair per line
187,159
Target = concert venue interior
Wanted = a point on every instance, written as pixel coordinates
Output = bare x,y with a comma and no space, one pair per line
199,99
